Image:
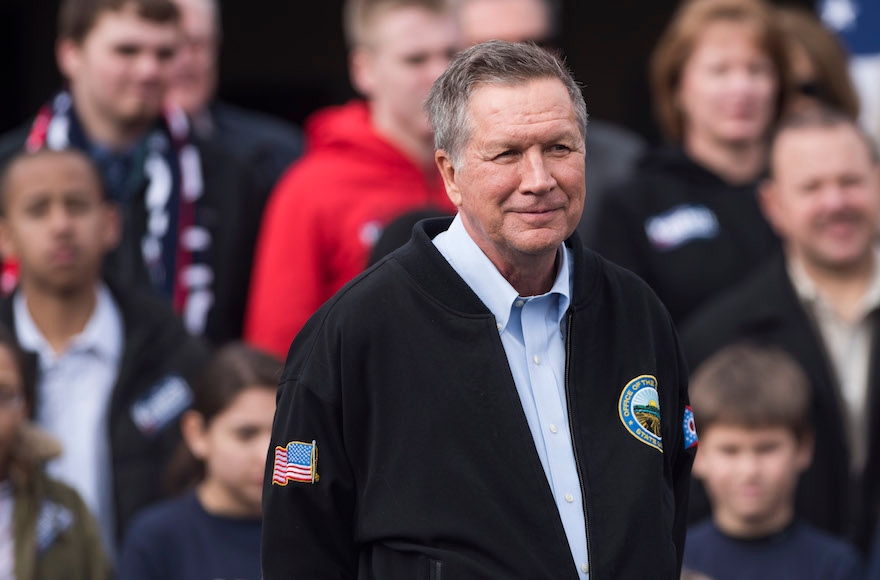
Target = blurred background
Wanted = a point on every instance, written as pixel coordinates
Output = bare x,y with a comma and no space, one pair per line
287,57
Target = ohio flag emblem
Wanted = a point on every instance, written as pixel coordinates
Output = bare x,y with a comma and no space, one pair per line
297,461
690,430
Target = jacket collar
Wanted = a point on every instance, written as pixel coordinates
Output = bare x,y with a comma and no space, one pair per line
421,259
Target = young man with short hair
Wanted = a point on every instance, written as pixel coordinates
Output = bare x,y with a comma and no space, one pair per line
113,367
181,201
368,162
752,409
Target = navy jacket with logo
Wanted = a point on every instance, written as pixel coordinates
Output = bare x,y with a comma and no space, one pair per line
426,467
159,363
685,231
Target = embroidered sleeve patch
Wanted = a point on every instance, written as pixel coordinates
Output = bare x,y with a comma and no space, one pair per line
296,461
690,430
639,410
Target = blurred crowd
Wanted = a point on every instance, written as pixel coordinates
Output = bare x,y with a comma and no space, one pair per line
161,249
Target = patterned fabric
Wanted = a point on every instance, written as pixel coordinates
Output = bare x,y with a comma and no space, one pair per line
175,246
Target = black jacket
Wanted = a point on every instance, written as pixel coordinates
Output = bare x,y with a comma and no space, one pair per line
427,465
157,352
267,144
766,310
682,229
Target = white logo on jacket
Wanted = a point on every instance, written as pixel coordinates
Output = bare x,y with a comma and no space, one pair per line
681,224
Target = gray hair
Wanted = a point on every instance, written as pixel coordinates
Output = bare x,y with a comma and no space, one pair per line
493,62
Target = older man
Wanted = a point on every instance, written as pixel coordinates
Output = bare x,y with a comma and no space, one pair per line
492,400
819,300
613,150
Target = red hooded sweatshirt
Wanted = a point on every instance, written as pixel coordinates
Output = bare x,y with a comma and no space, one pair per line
323,218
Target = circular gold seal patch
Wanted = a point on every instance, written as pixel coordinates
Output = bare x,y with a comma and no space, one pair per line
639,410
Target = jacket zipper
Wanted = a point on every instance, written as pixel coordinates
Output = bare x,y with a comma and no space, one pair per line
577,462
435,568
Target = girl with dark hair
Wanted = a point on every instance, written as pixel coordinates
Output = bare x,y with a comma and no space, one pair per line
213,529
46,531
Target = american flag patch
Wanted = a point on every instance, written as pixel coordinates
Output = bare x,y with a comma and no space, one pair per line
297,461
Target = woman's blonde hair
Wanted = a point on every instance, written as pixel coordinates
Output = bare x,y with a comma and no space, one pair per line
680,38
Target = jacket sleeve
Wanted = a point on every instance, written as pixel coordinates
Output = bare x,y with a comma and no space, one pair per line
684,451
287,279
84,557
309,527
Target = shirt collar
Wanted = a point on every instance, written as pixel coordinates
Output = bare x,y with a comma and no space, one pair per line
809,294
102,334
478,271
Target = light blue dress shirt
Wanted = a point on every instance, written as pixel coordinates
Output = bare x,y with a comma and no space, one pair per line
74,391
532,331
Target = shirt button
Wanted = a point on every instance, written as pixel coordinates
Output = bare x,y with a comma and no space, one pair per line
499,326
553,428
569,498
585,568
537,359
518,303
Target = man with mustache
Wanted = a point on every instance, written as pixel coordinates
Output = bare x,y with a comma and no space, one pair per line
819,300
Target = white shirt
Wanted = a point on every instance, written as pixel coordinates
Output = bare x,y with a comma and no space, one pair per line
848,344
532,333
73,399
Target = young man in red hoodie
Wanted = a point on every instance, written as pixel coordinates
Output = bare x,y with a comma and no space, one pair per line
367,162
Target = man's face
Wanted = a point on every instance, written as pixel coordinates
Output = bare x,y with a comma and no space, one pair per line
519,186
510,20
56,223
751,474
119,72
410,48
824,200
194,73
